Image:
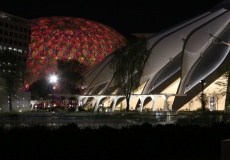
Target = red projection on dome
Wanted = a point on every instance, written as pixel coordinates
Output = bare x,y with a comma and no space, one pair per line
63,38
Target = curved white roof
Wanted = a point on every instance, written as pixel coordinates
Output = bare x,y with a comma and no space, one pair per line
181,48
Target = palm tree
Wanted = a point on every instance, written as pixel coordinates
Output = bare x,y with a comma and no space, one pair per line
12,74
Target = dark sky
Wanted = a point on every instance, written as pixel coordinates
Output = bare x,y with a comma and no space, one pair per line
125,16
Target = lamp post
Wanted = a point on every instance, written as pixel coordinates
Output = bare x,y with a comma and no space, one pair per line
53,80
202,82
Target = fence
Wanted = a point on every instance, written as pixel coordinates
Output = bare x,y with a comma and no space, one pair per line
116,119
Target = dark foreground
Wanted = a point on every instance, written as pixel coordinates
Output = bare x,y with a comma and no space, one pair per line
161,142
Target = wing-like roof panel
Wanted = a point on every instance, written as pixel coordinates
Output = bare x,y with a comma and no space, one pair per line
198,42
167,47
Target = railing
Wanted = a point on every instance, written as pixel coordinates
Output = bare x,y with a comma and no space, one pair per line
116,119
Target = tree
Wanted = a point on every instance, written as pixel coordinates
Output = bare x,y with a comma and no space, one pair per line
128,63
38,92
12,74
71,74
224,70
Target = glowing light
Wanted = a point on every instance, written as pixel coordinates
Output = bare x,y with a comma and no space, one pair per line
53,79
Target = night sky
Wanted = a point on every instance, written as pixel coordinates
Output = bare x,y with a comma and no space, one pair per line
125,16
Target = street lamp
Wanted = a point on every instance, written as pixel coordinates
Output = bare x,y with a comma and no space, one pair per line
203,97
53,80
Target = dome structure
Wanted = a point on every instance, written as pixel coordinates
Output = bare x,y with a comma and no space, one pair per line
63,38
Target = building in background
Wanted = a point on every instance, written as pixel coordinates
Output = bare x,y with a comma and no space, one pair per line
15,36
181,57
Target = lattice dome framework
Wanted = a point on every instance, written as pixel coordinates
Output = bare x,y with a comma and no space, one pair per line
63,38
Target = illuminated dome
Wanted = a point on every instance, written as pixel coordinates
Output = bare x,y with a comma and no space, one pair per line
63,38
